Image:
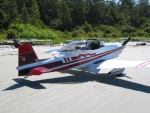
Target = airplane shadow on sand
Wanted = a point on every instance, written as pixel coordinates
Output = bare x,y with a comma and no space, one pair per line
80,77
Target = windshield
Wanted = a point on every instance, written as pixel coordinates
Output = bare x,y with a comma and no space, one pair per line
76,45
90,44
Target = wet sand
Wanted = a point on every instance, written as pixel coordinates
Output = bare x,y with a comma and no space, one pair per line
73,91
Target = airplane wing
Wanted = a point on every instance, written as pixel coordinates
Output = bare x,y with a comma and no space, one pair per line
112,64
123,63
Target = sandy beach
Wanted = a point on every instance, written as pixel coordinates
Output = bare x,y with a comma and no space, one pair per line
72,91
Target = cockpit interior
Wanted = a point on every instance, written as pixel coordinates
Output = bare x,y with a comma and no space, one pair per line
90,44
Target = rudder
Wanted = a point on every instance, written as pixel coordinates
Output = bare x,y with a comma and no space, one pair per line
26,54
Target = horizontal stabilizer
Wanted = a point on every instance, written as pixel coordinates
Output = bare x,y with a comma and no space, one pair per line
39,71
53,50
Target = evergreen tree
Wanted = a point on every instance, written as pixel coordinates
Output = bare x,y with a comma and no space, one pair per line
111,13
48,10
78,12
144,13
25,17
65,16
135,18
144,8
96,14
126,9
3,14
8,12
35,14
13,11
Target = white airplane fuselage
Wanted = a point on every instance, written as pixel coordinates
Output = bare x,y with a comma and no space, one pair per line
62,60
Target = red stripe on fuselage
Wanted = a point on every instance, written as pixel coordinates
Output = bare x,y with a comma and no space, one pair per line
85,61
82,55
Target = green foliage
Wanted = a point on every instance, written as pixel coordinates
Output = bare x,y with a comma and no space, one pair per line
35,14
78,33
107,29
128,29
31,32
55,24
25,17
96,35
2,37
114,35
90,35
58,40
147,29
125,34
11,34
143,34
81,32
78,12
75,34
49,10
65,16
87,27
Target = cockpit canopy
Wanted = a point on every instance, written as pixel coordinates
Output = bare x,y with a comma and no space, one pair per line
90,44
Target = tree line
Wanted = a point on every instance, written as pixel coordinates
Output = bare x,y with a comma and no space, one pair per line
66,15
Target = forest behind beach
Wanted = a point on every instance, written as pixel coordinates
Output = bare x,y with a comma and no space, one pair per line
74,19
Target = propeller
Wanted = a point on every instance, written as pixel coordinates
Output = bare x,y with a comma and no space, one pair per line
126,41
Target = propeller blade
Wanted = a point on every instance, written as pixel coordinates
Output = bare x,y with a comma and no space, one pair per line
126,41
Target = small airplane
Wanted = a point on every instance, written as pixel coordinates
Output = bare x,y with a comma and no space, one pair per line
87,55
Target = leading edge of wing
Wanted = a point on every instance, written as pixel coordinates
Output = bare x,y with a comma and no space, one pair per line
52,50
123,63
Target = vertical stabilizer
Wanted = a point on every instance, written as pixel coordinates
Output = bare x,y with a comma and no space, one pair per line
26,54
